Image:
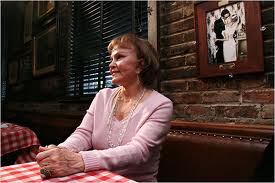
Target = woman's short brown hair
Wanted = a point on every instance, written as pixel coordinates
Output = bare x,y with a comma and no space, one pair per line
145,51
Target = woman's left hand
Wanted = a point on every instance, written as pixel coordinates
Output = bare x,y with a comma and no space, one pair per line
58,162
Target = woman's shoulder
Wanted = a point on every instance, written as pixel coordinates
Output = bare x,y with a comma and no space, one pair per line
157,102
107,92
156,96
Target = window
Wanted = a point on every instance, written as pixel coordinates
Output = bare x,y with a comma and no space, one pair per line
93,25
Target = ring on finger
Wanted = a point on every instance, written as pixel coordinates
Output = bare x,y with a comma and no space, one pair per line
46,172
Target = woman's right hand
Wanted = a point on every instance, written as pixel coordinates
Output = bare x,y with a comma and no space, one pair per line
51,146
48,147
59,161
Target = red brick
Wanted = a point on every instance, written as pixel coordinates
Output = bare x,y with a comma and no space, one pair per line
220,97
213,84
178,50
174,85
252,82
183,85
171,40
188,36
237,111
191,59
188,9
192,112
181,72
259,96
196,111
268,112
173,62
178,38
197,85
169,6
185,97
177,27
172,17
179,110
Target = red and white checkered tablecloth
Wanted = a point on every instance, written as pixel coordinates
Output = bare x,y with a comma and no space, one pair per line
16,137
29,172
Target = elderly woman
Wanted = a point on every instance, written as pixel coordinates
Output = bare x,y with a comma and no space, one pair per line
124,127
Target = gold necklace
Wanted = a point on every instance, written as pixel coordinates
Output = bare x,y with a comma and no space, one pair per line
125,123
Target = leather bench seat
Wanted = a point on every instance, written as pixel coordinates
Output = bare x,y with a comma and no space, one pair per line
207,152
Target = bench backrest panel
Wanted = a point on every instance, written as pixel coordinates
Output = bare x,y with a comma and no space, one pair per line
202,156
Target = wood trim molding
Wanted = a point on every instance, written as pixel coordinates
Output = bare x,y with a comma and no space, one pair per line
152,24
261,131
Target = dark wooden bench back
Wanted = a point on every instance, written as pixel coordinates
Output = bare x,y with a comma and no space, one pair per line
212,152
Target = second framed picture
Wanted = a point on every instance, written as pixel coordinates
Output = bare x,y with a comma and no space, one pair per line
229,40
13,69
25,66
45,52
28,21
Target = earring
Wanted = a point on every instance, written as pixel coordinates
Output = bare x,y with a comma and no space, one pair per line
138,80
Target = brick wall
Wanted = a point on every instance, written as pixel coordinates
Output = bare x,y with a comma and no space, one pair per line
245,98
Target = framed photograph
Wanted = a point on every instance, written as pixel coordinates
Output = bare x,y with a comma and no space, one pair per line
45,52
25,65
45,7
28,21
226,36
13,72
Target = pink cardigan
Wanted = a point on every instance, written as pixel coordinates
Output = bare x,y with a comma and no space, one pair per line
138,156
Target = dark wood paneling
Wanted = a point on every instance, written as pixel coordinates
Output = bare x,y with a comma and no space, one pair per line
50,129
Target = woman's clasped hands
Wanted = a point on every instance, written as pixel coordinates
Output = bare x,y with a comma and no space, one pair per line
56,161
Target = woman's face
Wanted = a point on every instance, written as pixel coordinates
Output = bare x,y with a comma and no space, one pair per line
228,20
125,66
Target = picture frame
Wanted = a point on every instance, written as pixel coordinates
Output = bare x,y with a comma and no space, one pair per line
25,65
13,68
226,35
44,8
45,51
28,21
